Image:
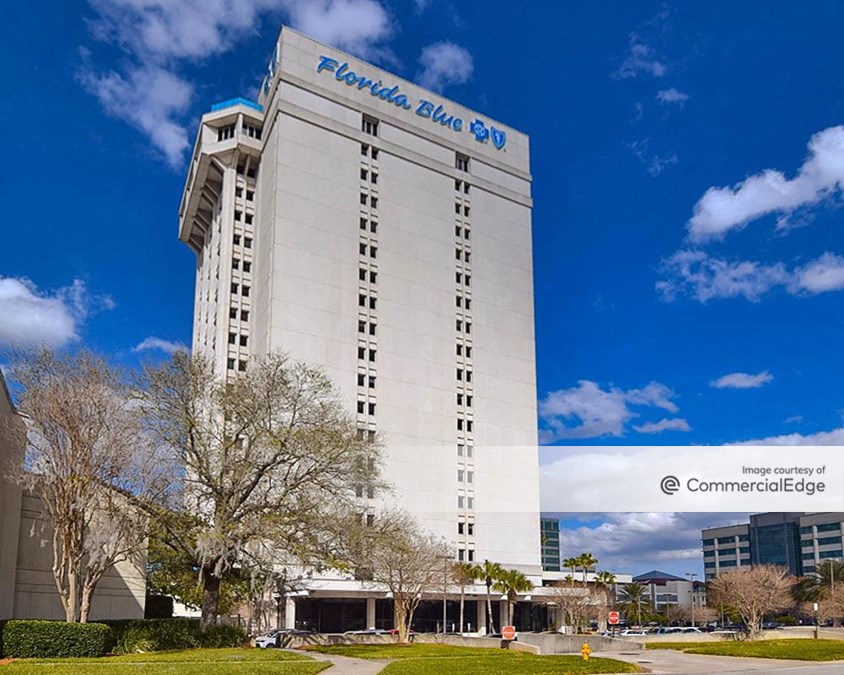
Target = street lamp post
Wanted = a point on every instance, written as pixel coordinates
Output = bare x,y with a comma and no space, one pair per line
692,576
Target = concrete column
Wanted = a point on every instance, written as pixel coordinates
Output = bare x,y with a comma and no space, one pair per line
480,620
290,613
502,612
370,612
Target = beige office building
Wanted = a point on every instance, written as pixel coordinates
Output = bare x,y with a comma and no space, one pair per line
356,221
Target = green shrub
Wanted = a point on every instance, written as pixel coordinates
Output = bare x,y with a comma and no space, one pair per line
55,639
156,635
133,640
224,636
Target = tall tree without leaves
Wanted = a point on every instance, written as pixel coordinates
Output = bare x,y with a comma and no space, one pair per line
86,457
271,456
395,553
753,592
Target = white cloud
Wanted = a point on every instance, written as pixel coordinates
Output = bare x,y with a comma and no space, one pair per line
674,424
32,317
672,97
587,411
641,59
698,275
655,163
742,380
821,275
155,343
834,437
638,542
152,100
357,26
444,64
794,419
159,36
422,5
722,209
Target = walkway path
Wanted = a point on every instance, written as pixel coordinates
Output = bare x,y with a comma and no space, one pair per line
345,665
672,661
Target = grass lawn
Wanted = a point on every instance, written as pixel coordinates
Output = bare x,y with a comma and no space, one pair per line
188,662
806,650
421,659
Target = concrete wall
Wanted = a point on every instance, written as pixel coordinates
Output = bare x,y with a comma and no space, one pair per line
554,643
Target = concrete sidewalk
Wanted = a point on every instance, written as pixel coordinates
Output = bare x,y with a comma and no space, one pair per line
667,661
345,665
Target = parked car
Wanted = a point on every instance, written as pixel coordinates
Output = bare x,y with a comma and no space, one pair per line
691,629
268,639
632,633
272,638
771,625
368,631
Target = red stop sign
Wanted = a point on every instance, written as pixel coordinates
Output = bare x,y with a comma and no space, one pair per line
612,618
508,633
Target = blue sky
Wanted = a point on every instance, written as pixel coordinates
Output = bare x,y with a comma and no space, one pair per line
687,166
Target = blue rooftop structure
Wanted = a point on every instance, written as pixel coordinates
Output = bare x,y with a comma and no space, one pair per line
236,101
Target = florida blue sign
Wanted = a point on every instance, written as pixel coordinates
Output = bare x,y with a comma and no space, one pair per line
422,107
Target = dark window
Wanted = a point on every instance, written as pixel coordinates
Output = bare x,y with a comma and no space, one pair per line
369,125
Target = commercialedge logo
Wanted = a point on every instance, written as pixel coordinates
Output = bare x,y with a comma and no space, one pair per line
427,109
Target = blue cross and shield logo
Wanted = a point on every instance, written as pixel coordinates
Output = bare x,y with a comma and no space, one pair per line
482,134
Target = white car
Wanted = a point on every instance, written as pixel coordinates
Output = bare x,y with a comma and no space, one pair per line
267,640
633,633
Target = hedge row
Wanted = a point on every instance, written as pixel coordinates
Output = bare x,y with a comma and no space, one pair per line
156,635
54,639
58,639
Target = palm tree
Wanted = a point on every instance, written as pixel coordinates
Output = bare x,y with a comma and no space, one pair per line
820,582
570,563
586,561
463,574
511,583
606,581
819,585
489,572
634,598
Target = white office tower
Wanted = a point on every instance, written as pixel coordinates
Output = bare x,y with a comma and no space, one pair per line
357,221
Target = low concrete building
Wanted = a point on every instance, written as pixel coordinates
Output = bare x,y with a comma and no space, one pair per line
668,590
27,587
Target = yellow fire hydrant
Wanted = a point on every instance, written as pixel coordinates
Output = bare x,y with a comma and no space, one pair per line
585,651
